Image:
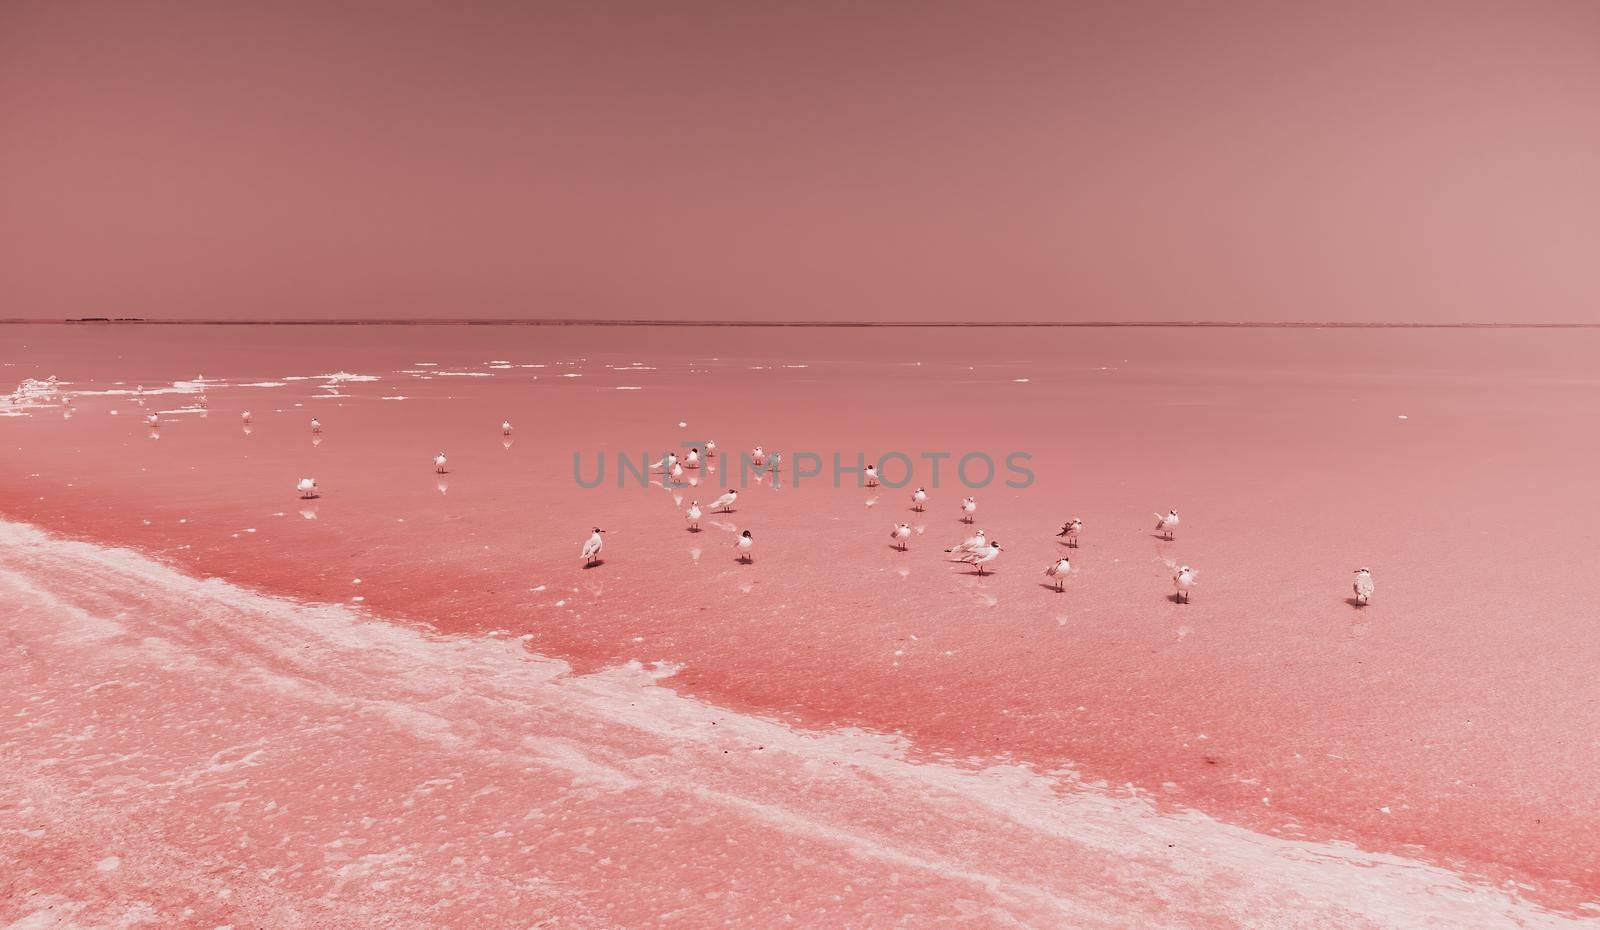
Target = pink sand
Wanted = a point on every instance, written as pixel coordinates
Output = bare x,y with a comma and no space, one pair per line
1449,725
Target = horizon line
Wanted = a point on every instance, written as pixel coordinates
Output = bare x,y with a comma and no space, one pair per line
809,324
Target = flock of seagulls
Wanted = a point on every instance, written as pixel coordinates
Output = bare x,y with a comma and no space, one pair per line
977,550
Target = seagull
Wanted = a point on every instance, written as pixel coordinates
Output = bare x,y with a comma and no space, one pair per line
245,416
968,508
693,516
745,543
591,549
1183,580
316,425
1070,531
204,403
307,488
153,420
711,448
677,472
758,455
900,534
872,476
1058,571
692,460
1364,586
982,556
918,498
975,541
667,463
725,502
439,463
505,427
1167,525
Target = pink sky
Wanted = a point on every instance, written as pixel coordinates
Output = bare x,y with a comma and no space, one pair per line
897,161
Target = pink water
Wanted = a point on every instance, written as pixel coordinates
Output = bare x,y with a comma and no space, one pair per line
945,747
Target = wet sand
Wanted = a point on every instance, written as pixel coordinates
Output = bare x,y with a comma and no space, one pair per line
1451,723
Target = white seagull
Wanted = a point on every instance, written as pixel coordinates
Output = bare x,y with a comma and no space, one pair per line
872,476
1070,530
1183,579
307,488
1167,525
725,502
505,427
968,508
975,541
439,463
245,416
316,425
900,534
153,420
982,556
711,448
1058,571
745,544
692,515
667,463
677,472
1364,586
758,455
918,498
692,460
591,549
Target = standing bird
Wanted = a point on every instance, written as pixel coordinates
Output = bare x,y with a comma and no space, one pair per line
1058,571
900,534
692,515
1070,530
439,463
591,549
316,425
505,427
1167,526
968,508
975,541
307,488
982,556
667,463
725,503
872,476
758,455
746,544
154,420
918,498
245,416
1364,586
692,460
676,474
711,448
1183,579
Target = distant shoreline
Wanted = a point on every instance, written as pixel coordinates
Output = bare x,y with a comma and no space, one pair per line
810,324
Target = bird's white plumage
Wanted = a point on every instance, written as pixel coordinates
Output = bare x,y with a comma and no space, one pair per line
1167,523
975,541
1058,570
982,555
1183,581
591,549
725,502
1363,585
900,534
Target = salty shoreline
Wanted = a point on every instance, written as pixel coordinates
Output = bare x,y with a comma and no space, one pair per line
252,758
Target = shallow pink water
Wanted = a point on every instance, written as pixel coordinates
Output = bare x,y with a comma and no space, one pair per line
1453,722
